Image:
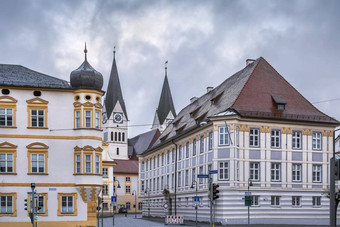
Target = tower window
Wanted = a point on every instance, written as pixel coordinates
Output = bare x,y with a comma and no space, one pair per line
115,136
111,136
117,150
119,136
123,136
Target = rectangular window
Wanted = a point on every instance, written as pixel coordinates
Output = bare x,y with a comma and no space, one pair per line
316,201
173,180
97,119
105,189
88,119
179,179
275,200
162,182
297,140
173,155
167,180
163,157
66,204
187,150
276,171
168,157
78,119
193,175
140,206
186,177
6,163
41,204
211,141
127,189
127,179
296,172
194,147
255,200
6,202
254,171
128,205
37,163
224,171
223,135
88,168
142,186
180,152
316,140
78,165
296,201
317,173
97,164
105,172
254,137
37,118
154,184
6,117
202,144
275,138
201,172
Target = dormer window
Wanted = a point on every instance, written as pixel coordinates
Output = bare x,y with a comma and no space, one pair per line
280,102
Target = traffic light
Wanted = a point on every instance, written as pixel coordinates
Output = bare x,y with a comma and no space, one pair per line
215,191
28,204
337,169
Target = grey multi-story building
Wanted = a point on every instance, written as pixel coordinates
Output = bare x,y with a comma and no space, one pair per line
261,135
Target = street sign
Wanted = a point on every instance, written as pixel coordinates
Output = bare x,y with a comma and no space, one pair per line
195,207
196,198
114,199
213,171
166,210
202,176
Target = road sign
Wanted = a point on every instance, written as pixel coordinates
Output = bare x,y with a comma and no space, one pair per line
114,199
166,210
195,207
196,198
165,205
202,176
213,171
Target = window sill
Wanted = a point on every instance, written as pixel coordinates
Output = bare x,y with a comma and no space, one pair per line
37,128
8,173
37,173
87,174
67,214
8,127
96,129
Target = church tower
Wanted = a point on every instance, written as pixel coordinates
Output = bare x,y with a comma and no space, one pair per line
165,112
115,119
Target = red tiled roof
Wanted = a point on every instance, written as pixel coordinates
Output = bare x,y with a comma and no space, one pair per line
256,98
126,166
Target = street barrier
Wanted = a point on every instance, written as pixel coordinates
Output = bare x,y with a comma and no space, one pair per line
170,219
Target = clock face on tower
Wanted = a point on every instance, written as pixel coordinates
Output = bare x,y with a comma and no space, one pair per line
117,117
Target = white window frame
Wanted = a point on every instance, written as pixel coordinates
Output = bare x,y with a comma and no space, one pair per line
9,205
255,199
317,173
316,201
275,138
296,201
223,136
105,172
296,172
6,162
211,141
254,137
38,162
97,164
223,170
202,144
88,163
88,118
67,204
78,125
38,118
78,163
317,141
194,147
187,150
105,189
254,171
187,177
275,172
6,116
275,200
297,140
97,120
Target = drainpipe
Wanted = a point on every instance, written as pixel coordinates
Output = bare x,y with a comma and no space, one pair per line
175,177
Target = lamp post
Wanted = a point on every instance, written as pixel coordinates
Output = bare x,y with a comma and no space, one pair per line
250,183
332,203
113,192
192,186
147,190
135,194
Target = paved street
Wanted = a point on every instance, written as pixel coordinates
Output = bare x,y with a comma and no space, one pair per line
131,221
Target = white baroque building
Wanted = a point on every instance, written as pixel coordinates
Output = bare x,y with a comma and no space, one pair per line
254,127
51,136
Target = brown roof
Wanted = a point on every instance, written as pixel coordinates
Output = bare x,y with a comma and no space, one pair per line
264,88
126,166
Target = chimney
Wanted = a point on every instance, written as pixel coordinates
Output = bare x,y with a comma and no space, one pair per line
209,89
193,99
249,61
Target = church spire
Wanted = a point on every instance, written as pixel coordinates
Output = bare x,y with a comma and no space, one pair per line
166,108
114,91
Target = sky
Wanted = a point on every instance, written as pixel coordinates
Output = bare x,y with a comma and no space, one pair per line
205,42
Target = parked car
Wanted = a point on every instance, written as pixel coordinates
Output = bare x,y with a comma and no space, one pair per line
122,210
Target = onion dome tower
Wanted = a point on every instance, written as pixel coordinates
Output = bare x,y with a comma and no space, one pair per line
86,76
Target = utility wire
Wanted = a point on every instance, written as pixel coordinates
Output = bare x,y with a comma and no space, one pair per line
329,100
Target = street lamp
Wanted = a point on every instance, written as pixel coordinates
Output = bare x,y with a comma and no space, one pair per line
113,192
250,183
147,190
192,187
134,193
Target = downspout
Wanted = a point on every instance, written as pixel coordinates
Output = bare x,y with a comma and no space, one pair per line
175,177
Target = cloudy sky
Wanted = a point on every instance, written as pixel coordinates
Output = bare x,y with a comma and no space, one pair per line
205,42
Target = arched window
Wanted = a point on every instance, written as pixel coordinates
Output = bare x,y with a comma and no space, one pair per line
123,135
115,136
111,136
119,136
117,150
